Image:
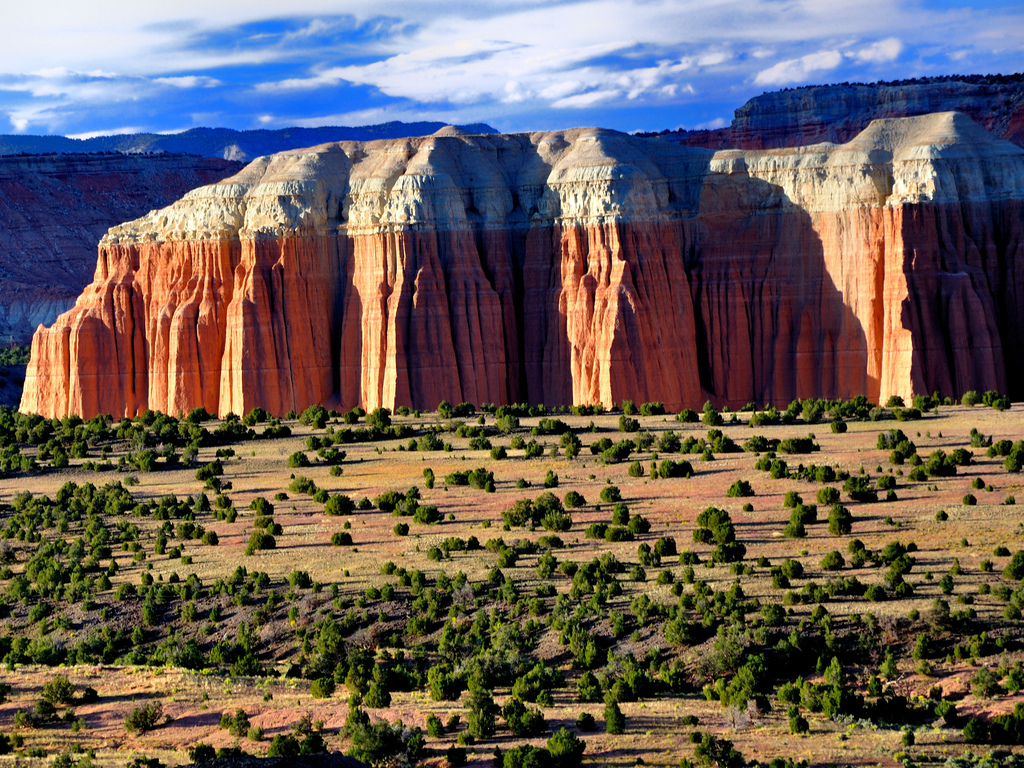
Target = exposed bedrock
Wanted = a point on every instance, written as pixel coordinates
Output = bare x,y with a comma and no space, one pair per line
798,116
572,267
53,209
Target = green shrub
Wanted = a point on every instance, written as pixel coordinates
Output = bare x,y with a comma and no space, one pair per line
565,748
669,468
237,724
339,505
260,540
828,495
687,416
614,720
833,561
144,718
798,445
740,489
574,500
427,515
840,521
298,459
627,424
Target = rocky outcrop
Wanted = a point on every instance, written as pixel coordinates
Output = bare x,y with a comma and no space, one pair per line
800,116
576,266
53,210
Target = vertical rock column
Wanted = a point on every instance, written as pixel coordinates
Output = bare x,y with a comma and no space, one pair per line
282,324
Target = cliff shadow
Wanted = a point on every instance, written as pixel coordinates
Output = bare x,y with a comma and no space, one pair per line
964,307
771,323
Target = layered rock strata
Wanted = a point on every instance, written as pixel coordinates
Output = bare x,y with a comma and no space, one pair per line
570,267
53,210
799,116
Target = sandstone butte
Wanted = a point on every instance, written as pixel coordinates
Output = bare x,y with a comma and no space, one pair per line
569,267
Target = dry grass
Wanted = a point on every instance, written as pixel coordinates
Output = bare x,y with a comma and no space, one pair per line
194,701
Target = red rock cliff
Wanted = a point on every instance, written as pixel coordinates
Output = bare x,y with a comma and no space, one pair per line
569,267
53,209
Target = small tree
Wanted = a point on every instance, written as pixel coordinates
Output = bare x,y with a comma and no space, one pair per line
614,720
481,721
740,489
322,688
59,690
144,718
566,749
237,724
833,561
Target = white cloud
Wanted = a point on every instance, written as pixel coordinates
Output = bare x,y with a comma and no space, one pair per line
718,122
189,81
713,58
797,70
124,130
481,60
589,99
880,52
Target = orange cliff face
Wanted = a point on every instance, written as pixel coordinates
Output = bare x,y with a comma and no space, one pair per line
572,267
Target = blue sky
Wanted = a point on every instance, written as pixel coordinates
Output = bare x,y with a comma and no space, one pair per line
109,66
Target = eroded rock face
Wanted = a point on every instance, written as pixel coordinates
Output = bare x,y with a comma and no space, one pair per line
570,267
54,208
800,116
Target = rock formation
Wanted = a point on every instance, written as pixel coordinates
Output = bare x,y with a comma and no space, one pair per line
53,210
799,116
575,266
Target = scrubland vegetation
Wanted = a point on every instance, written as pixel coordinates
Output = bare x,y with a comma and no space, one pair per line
833,583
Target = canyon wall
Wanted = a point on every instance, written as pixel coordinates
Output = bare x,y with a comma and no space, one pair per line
53,210
799,116
568,267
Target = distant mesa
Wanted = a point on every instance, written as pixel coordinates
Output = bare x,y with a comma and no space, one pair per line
836,113
565,267
225,143
55,208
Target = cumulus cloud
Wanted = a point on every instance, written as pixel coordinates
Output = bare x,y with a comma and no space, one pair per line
588,99
189,81
880,52
797,70
62,64
122,131
718,122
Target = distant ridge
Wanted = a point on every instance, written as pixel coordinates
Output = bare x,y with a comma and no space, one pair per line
793,117
225,143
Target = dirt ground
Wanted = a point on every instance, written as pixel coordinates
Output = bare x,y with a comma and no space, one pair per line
194,701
